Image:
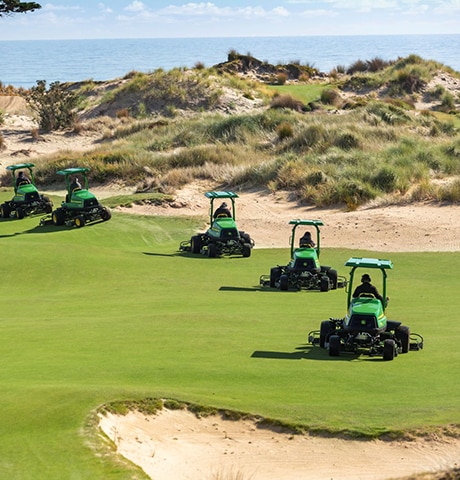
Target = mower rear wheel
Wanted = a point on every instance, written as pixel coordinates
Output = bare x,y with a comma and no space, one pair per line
246,237
333,275
6,210
246,252
334,346
106,214
389,349
47,204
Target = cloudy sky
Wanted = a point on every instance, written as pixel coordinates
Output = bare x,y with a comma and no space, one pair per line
76,19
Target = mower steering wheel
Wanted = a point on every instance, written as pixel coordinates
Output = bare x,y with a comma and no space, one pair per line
366,295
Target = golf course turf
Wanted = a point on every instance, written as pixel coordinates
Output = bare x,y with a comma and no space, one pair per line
113,312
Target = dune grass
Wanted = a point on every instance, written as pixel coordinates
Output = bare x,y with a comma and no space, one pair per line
113,312
334,141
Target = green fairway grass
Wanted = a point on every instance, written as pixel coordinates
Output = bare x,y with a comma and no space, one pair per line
113,311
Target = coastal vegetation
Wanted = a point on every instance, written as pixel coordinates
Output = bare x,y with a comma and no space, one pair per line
345,138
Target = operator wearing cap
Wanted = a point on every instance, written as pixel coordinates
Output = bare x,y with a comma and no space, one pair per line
222,211
367,287
22,179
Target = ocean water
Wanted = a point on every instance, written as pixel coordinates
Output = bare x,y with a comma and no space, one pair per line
25,62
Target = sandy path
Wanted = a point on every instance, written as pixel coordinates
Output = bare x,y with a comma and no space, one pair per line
265,216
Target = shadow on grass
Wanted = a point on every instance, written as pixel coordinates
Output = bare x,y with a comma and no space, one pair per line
37,229
188,255
261,288
239,289
48,228
154,254
303,352
179,255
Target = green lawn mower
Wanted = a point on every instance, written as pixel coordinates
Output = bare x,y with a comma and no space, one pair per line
365,327
223,237
27,200
304,270
80,206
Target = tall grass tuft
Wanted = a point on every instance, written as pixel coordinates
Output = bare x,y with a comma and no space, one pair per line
284,130
450,192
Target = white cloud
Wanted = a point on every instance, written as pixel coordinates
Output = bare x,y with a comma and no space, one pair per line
136,6
104,8
53,7
281,11
210,9
448,7
320,13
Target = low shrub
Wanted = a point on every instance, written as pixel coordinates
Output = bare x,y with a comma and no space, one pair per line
54,106
287,101
331,96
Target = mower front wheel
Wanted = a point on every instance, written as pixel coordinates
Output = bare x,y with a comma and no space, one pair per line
20,214
195,244
324,284
275,274
326,330
389,347
334,346
212,250
284,283
80,221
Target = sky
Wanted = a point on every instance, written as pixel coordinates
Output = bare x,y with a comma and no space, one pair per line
78,19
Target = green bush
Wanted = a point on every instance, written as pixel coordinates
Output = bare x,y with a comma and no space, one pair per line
55,106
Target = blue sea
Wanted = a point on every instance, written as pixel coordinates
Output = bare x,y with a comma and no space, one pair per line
25,62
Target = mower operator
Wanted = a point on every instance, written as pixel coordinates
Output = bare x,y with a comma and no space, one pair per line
22,179
75,185
222,211
367,287
306,240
